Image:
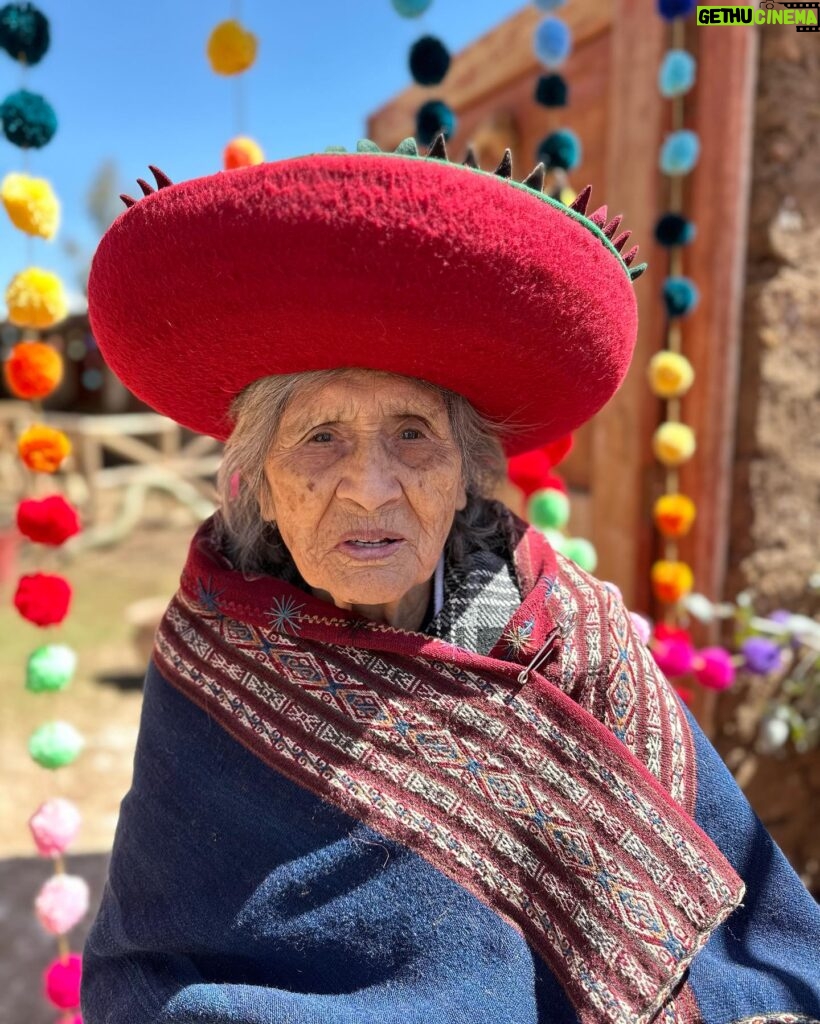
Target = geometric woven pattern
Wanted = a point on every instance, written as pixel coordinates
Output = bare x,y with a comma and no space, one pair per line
524,793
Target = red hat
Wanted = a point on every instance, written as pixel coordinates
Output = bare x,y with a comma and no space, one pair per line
389,261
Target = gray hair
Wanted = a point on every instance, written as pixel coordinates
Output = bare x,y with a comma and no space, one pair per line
254,544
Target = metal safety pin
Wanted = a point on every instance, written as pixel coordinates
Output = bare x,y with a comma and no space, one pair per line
544,650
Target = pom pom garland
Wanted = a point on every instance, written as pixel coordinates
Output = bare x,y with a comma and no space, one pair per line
552,91
671,9
242,152
674,658
42,598
33,370
582,552
24,32
680,295
671,375
671,581
674,229
429,60
674,515
434,117
31,204
411,8
677,73
50,668
714,668
548,508
560,149
54,826
673,443
43,449
61,903
28,119
552,42
231,48
62,981
55,745
761,655
50,520
679,153
36,298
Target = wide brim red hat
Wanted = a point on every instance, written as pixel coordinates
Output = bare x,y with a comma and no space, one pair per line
390,261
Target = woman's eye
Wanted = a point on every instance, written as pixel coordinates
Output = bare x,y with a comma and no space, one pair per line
322,437
410,434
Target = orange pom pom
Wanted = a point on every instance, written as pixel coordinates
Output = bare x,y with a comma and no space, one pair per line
42,448
33,370
671,581
674,515
242,152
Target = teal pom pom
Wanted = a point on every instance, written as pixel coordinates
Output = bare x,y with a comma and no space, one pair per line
673,229
581,552
28,119
55,744
24,32
549,5
671,9
50,668
548,509
680,152
677,73
681,296
553,42
411,8
434,117
429,60
560,149
551,91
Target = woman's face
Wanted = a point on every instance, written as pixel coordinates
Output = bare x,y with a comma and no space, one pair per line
364,479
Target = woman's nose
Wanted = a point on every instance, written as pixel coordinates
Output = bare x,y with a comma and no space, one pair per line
369,476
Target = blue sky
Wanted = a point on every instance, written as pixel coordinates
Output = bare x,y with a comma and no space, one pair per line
131,83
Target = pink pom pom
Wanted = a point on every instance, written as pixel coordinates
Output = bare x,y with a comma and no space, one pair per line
62,981
642,626
61,903
54,826
674,657
714,668
73,1020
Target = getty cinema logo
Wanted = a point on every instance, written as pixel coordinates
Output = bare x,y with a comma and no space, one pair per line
804,16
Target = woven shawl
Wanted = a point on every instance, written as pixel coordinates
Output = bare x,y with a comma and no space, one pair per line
561,797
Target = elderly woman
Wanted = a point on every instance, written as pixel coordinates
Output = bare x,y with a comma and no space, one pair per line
400,761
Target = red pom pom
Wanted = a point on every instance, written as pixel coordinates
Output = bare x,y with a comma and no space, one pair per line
43,599
62,982
50,520
558,450
529,471
663,633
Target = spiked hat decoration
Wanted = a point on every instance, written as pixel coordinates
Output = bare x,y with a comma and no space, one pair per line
398,261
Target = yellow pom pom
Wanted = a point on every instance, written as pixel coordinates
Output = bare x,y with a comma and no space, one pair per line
673,443
242,152
670,375
36,298
231,49
567,195
671,581
674,515
31,204
43,448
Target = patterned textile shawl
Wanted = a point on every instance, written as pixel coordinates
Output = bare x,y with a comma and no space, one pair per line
562,798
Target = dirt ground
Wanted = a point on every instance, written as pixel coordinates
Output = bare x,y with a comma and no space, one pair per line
103,701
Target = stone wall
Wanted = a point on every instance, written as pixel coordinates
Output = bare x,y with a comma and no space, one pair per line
775,542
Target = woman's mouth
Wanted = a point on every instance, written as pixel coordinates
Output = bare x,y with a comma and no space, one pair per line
369,547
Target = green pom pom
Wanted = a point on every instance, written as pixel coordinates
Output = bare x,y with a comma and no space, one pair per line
50,668
555,537
581,552
548,508
367,146
55,744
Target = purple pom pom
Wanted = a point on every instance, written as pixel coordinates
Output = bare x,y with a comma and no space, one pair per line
761,655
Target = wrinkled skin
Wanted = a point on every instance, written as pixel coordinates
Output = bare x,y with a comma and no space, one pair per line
370,452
